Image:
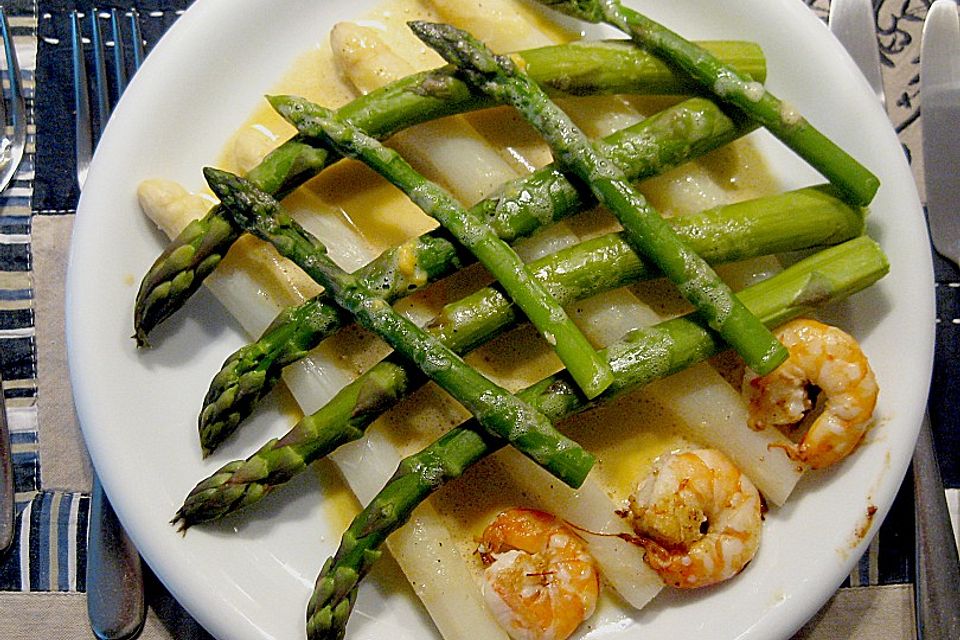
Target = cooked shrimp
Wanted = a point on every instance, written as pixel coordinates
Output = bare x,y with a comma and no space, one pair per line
697,517
540,582
830,359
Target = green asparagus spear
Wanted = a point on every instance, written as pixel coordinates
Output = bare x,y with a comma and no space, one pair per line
784,222
496,409
499,77
641,356
737,87
652,146
469,228
198,249
605,68
254,368
252,371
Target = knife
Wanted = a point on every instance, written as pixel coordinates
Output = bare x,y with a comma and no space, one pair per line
853,24
938,566
940,109
116,604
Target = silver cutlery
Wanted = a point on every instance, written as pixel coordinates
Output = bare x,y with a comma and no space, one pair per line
115,591
938,565
86,133
853,24
13,112
940,109
12,143
116,604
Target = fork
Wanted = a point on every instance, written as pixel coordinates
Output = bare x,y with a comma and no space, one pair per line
115,591
12,143
86,134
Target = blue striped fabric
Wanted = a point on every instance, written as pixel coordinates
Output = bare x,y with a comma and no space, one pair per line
17,336
44,557
50,550
26,465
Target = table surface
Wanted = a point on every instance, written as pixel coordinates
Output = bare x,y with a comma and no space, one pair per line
42,586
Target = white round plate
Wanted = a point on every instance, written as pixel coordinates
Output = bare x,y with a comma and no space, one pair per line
138,409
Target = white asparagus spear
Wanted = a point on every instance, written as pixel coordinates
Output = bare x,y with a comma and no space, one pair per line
591,509
713,414
436,148
504,25
247,267
250,146
423,548
448,150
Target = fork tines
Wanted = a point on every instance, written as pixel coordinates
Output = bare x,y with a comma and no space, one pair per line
91,118
13,113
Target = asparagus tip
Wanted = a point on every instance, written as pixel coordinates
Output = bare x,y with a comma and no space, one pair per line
222,183
434,33
141,337
458,47
180,521
214,174
421,28
332,601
